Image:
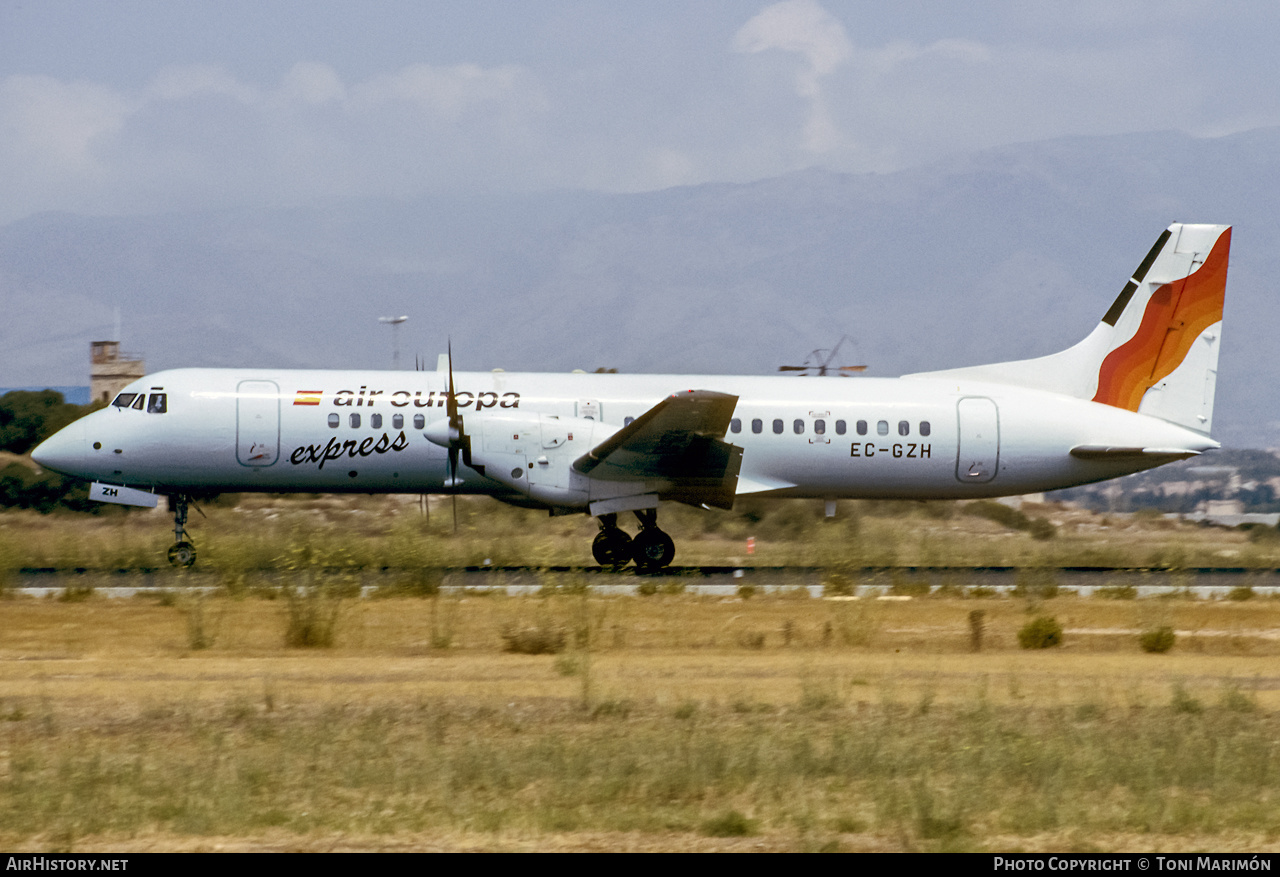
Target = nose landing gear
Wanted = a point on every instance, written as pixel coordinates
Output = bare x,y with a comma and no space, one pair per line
651,549
182,553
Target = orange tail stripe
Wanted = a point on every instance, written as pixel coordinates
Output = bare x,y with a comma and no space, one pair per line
1175,316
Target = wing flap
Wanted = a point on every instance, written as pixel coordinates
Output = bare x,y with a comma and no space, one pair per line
678,442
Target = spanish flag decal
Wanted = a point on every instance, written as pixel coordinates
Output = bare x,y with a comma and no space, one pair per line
308,397
1177,313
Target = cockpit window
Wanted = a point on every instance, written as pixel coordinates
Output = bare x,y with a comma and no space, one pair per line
137,403
124,400
158,404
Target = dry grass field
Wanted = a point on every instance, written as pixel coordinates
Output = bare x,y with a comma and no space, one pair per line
669,722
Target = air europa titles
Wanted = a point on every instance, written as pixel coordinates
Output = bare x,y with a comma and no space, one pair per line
351,447
366,398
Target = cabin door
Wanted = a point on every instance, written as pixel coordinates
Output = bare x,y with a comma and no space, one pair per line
979,453
257,423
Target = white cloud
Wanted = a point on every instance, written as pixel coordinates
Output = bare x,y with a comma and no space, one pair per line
748,94
804,27
801,26
54,126
448,90
899,53
669,167
313,84
913,102
181,83
199,134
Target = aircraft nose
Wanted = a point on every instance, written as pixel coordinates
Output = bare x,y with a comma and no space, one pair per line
64,451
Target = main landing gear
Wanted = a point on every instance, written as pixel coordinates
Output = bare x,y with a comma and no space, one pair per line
182,553
651,549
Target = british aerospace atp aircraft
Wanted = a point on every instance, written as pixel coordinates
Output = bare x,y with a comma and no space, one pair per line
1135,393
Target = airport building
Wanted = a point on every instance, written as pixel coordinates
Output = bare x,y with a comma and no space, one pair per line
110,370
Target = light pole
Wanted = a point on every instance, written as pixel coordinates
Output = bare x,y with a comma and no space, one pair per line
394,322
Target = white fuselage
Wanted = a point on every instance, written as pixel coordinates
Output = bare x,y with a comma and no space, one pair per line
364,431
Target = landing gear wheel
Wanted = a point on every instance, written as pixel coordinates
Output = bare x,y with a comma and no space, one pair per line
652,549
612,547
182,554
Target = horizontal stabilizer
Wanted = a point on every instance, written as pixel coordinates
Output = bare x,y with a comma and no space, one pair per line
1109,452
748,484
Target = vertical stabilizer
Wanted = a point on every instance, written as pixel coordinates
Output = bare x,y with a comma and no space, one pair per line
1156,349
1169,331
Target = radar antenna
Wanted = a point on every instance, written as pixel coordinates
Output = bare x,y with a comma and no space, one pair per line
818,363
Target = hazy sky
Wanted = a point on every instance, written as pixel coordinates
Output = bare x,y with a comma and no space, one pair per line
143,105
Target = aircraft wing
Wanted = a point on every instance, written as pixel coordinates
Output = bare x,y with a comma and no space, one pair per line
678,442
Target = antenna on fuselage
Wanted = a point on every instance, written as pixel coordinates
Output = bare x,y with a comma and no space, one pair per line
394,323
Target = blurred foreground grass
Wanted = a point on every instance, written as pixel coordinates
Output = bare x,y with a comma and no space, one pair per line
253,532
668,722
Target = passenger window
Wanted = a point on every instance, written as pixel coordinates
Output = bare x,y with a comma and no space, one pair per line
839,427
124,400
735,426
626,421
862,427
355,421
819,427
924,427
882,427
375,420
777,427
904,428
757,426
158,404
137,403
334,420
798,426
397,421
419,421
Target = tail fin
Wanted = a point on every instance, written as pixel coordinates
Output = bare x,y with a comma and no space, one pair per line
1156,349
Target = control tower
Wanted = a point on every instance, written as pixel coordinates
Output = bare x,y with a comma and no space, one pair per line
110,370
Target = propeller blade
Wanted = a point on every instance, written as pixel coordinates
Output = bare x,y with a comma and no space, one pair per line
451,401
459,441
455,430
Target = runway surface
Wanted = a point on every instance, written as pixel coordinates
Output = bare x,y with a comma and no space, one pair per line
725,581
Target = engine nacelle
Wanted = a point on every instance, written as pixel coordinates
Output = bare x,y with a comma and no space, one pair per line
534,454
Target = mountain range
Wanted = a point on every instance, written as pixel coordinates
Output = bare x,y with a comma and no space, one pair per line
1000,254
